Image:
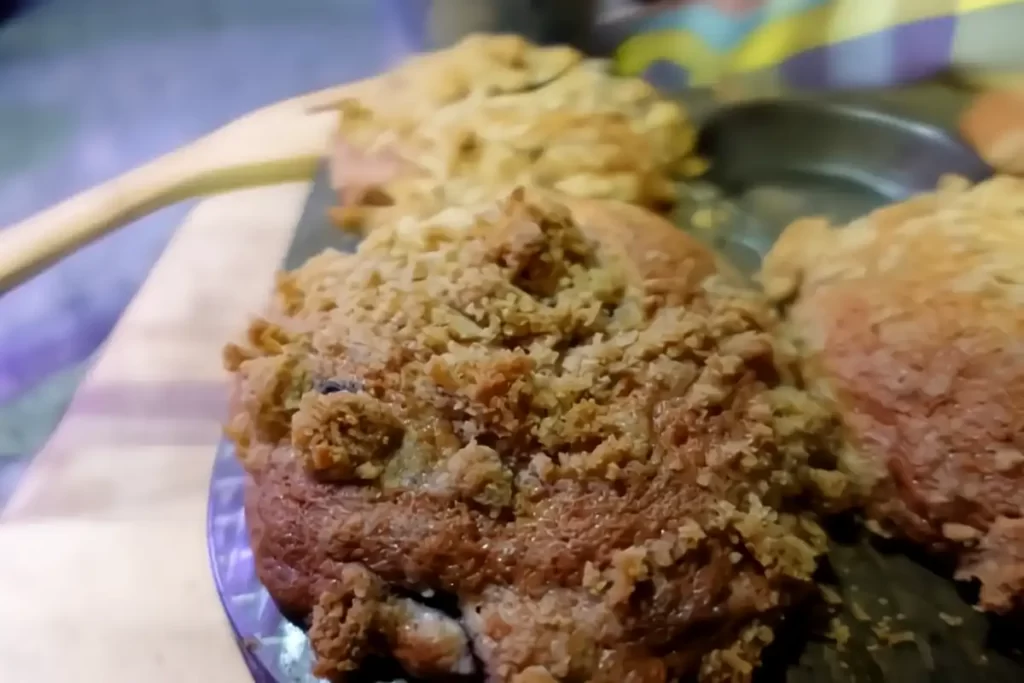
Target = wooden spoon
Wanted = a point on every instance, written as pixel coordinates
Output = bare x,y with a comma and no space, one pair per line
280,143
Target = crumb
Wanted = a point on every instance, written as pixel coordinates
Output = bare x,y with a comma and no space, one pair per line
830,595
961,533
886,636
950,619
1006,459
737,662
344,435
838,632
629,567
874,527
897,637
858,612
479,475
464,125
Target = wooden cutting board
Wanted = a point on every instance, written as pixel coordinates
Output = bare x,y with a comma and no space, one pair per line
104,575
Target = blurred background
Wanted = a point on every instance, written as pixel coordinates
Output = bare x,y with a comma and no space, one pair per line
92,88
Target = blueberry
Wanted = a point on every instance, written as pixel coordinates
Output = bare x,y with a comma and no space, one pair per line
333,386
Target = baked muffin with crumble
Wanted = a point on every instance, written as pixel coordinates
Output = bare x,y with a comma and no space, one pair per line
528,443
910,320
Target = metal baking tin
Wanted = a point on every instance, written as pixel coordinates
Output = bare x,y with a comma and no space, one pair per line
773,161
770,161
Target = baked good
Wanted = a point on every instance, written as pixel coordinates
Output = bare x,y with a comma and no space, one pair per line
532,443
994,125
912,321
494,112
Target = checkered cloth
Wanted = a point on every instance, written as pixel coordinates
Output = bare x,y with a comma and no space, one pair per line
817,44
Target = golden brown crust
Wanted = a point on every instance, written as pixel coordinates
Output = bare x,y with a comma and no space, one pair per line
494,112
912,319
599,450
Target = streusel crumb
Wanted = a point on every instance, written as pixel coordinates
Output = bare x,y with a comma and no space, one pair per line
469,123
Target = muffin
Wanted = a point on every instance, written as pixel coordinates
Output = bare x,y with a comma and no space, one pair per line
911,320
494,112
530,442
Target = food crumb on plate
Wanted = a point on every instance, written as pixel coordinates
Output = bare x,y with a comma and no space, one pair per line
950,619
838,632
830,595
858,612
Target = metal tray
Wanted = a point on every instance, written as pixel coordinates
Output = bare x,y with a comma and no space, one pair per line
773,161
770,162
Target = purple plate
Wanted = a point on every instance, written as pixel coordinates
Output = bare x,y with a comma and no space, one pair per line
275,650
